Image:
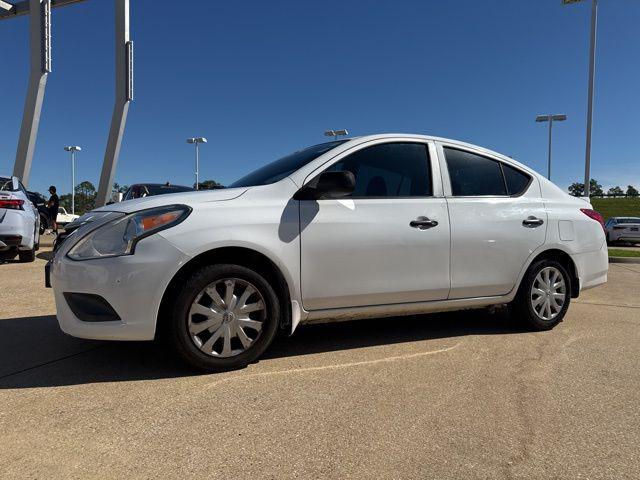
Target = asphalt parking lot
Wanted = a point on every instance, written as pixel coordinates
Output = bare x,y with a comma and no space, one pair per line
462,395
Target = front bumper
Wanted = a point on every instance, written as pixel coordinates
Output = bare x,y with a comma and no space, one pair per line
133,285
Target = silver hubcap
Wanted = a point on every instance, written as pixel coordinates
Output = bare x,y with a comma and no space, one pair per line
548,293
226,317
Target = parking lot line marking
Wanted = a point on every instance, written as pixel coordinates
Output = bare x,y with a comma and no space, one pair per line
336,366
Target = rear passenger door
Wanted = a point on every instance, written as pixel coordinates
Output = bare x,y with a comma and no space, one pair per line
497,220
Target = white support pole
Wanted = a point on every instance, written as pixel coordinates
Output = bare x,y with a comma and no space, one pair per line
40,54
123,96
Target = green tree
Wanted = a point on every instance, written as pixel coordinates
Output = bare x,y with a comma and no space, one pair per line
208,185
615,191
595,189
631,191
577,189
85,197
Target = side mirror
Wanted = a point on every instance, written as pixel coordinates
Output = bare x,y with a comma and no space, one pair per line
328,185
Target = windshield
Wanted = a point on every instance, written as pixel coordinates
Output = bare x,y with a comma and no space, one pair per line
628,220
285,166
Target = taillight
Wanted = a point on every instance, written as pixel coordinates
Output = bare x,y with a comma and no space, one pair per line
11,204
594,215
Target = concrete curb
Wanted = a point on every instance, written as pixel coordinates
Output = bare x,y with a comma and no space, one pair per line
624,259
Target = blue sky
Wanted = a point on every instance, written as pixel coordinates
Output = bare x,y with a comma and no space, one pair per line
261,79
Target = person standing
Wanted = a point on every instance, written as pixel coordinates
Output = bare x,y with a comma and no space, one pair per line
53,204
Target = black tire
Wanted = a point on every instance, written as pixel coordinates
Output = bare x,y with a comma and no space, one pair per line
8,255
177,332
522,306
44,223
27,256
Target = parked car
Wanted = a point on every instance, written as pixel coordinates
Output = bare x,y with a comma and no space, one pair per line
381,225
41,204
623,229
19,222
142,190
64,218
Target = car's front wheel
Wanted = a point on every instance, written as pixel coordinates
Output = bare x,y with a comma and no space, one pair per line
224,317
544,295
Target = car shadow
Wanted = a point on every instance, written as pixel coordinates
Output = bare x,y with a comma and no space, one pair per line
44,255
35,353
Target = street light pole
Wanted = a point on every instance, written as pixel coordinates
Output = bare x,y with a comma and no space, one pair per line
73,149
592,72
550,119
197,141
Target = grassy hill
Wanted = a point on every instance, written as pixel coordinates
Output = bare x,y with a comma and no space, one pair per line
617,207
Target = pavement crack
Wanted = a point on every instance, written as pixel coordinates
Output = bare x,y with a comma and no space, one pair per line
582,302
336,366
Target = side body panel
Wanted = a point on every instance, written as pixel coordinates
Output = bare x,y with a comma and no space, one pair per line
489,243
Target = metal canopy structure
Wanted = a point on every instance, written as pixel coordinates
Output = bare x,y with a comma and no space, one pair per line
39,12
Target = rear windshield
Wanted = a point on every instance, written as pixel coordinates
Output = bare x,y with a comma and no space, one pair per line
6,185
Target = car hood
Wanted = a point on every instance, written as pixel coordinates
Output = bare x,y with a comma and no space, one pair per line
184,198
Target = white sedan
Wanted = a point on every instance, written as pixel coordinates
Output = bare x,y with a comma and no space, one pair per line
381,225
19,221
623,229
63,217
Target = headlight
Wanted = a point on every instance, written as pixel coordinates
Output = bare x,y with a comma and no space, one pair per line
120,236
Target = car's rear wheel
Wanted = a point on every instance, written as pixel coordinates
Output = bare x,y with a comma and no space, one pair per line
224,317
544,295
27,255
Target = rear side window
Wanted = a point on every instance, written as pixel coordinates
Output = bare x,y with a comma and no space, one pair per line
517,181
389,170
473,175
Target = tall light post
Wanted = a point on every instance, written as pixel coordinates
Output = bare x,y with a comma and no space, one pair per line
336,133
550,119
592,74
73,149
197,141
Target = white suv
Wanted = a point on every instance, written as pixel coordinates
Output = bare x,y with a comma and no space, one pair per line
381,225
19,221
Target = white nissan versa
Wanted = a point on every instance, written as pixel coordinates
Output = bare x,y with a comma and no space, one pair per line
380,225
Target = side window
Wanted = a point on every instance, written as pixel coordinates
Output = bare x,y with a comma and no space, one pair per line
473,175
389,170
517,181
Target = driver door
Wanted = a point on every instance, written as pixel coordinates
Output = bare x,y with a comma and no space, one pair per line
375,247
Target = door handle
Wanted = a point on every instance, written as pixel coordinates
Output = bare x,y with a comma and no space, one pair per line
532,222
422,223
